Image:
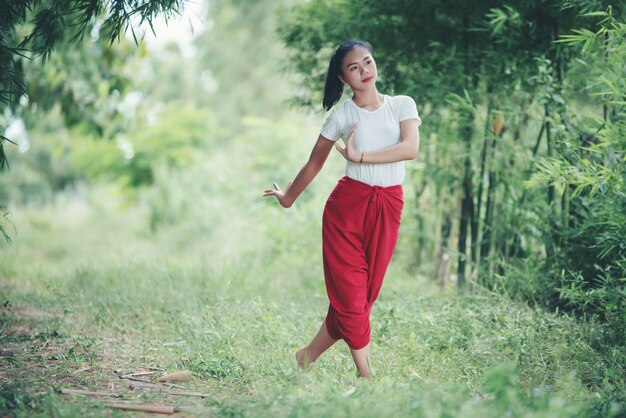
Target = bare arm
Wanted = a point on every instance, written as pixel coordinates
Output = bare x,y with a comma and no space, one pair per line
316,161
406,149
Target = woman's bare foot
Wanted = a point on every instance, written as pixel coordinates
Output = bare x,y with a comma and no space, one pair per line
320,343
302,358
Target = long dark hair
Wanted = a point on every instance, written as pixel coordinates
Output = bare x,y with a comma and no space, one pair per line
333,89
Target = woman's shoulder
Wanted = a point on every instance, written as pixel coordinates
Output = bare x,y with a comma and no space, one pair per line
404,107
340,111
402,100
399,104
343,106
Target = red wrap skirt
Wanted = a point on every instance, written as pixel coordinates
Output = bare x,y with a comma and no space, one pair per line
359,233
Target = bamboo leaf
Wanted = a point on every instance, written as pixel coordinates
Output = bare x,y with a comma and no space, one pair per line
594,14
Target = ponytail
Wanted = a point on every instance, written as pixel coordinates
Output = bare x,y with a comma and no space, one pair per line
333,88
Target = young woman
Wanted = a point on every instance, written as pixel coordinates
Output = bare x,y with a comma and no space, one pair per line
362,215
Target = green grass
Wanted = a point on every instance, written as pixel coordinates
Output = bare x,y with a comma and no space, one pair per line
200,273
115,296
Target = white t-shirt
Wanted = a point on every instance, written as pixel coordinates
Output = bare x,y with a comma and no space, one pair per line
377,129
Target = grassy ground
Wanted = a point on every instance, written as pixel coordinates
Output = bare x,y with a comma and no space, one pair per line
94,298
200,274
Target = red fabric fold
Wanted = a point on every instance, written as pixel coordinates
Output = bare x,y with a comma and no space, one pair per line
359,234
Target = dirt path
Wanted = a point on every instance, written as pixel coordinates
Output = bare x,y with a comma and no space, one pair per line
40,358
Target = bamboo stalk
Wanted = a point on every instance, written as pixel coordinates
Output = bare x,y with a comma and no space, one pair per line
481,181
550,150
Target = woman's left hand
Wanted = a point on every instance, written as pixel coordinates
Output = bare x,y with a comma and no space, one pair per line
349,152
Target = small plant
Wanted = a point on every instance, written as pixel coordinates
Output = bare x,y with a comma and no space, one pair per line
7,316
4,222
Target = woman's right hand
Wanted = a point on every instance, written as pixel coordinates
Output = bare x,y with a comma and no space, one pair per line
279,194
287,197
349,152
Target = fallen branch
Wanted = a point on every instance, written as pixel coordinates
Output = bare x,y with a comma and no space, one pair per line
134,379
174,386
182,393
158,409
168,392
88,393
142,374
84,369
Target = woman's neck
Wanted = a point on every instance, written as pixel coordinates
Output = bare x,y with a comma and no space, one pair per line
368,99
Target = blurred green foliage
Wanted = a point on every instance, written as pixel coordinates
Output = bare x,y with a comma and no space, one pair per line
36,28
137,180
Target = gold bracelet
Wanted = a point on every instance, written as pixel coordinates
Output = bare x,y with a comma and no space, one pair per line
361,162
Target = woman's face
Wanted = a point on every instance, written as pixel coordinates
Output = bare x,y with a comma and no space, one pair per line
358,69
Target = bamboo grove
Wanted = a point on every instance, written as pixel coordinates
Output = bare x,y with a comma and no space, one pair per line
520,177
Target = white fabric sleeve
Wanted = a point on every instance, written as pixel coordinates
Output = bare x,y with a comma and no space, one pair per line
331,129
408,110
